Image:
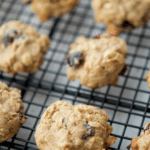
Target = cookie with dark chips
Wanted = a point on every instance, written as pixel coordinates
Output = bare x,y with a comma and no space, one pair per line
142,142
98,61
121,15
11,112
21,48
75,127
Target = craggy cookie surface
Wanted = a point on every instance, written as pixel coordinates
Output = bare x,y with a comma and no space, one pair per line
51,8
142,143
121,15
96,62
11,112
21,48
67,127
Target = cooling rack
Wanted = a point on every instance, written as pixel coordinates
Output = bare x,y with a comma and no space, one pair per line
127,103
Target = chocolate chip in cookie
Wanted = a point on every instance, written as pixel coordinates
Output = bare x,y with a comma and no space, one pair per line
9,36
128,147
97,37
27,1
126,25
64,121
75,59
90,131
22,116
123,70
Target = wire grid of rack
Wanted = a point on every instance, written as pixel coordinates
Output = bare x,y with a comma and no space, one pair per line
127,103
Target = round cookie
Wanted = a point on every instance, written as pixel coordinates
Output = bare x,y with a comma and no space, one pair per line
11,112
21,48
148,78
67,127
46,9
142,143
96,62
121,15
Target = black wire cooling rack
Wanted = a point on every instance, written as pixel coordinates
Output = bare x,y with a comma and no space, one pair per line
127,103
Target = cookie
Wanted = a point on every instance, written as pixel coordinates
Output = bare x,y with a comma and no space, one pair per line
46,9
21,48
11,112
148,79
121,15
96,62
67,127
142,142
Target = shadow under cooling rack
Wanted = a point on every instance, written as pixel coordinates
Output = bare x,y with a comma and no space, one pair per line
127,103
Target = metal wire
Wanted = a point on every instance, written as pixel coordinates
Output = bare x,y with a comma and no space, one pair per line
127,103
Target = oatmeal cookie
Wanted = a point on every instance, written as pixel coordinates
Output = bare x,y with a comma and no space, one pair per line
142,143
67,127
96,62
46,9
121,15
21,48
11,112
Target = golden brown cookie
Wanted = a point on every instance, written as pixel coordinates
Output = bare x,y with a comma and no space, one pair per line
21,48
121,15
46,9
96,62
67,127
142,142
11,112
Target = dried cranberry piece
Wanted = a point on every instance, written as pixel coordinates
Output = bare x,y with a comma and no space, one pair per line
75,59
